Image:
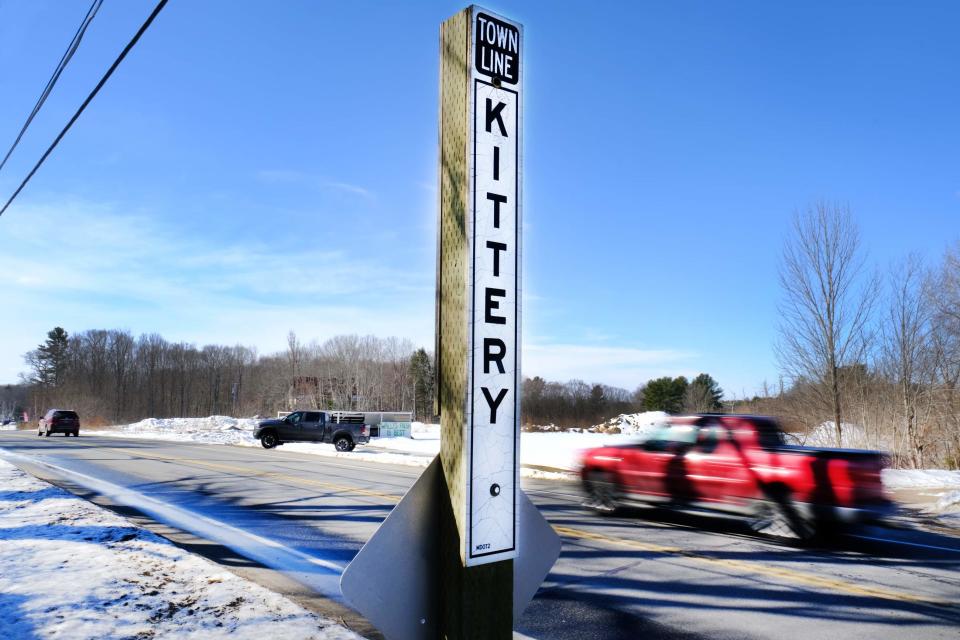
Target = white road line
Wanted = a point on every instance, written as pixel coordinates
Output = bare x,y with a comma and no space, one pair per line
912,544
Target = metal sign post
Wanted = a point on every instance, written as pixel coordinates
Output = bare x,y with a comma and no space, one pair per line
465,550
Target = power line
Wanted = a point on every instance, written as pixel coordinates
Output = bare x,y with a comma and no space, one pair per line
96,90
64,61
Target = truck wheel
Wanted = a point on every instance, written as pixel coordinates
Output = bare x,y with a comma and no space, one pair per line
46,433
344,444
39,432
779,518
269,440
603,493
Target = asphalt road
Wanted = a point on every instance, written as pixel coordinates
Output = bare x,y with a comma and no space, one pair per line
646,574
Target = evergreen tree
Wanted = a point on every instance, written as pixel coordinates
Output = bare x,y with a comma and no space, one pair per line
598,403
703,395
422,372
49,360
665,394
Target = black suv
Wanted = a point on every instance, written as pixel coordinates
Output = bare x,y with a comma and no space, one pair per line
59,421
345,432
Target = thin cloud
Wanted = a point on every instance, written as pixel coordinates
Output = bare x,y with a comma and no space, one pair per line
284,176
626,367
350,188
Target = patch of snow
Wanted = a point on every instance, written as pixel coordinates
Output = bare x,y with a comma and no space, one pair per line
423,431
71,569
563,450
384,450
949,501
211,430
636,424
853,437
920,478
541,474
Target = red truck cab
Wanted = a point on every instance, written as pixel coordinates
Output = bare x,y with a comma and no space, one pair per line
740,465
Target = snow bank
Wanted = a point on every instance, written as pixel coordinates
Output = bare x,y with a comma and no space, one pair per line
211,430
71,569
825,435
636,424
562,450
422,431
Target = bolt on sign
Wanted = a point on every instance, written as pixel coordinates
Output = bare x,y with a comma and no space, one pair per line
493,355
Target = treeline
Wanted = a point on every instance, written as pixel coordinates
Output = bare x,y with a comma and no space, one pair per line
110,376
869,358
573,403
578,404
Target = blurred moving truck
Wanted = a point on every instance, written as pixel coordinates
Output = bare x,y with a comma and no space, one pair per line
739,465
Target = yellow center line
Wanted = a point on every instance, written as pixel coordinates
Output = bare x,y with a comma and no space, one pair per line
789,575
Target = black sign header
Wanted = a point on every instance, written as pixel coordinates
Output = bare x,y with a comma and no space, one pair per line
497,49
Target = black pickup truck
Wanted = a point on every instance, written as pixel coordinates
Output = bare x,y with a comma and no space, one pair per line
344,431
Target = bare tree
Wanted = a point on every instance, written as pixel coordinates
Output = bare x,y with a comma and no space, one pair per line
943,291
906,348
827,301
120,346
295,353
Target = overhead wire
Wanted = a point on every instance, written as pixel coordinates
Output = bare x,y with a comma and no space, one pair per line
64,61
96,90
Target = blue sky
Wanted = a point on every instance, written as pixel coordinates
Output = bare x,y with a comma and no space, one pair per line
256,167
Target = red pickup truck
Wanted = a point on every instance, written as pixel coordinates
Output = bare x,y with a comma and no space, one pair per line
740,465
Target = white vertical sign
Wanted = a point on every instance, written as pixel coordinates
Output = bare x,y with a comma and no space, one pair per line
492,428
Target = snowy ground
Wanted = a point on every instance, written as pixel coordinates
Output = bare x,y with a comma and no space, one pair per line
825,435
935,491
921,479
69,569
